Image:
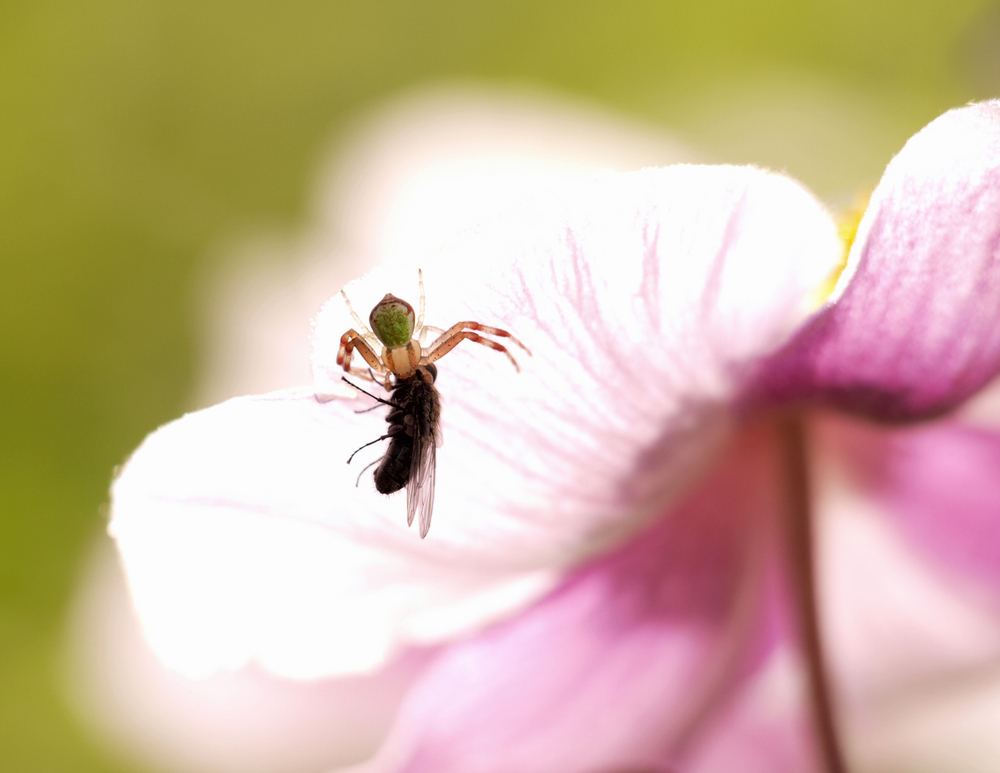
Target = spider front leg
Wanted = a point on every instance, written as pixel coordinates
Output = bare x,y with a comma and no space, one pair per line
367,334
352,340
462,331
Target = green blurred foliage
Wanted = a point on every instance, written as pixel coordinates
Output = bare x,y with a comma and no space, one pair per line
134,135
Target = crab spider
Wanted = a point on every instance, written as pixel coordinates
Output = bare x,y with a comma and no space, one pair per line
394,331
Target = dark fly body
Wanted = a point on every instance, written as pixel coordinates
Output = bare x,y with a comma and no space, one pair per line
413,421
413,435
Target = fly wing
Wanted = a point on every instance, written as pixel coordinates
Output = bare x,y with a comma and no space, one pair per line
428,475
420,487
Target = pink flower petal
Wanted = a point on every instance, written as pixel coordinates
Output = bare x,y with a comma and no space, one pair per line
941,484
764,728
646,299
906,629
917,329
622,666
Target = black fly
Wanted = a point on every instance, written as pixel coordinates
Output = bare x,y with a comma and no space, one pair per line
413,435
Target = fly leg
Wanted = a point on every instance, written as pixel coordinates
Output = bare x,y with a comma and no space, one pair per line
393,430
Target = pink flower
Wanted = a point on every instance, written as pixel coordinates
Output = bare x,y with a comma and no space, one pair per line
618,573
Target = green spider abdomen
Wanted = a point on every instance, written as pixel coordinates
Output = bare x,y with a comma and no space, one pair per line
393,320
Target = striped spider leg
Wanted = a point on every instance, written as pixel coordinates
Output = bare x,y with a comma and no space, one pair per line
462,331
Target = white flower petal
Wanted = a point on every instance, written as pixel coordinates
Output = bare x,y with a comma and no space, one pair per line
645,298
244,538
247,721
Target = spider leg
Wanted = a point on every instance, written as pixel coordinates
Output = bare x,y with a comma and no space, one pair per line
357,320
363,374
428,329
487,329
423,300
352,340
369,375
457,333
365,333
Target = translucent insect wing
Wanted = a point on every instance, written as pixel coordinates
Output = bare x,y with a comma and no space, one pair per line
428,475
420,487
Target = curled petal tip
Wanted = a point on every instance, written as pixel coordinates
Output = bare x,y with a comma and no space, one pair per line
917,328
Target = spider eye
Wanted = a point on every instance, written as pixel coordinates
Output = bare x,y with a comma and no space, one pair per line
392,319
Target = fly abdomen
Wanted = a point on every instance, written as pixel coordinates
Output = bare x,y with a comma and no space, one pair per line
393,472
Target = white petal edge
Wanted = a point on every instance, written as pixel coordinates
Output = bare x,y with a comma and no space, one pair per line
247,721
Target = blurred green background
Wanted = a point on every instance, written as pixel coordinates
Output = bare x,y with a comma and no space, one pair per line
133,136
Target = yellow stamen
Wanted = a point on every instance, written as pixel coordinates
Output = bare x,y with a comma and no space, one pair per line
847,230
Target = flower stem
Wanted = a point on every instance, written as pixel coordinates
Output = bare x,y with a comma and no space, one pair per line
800,547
